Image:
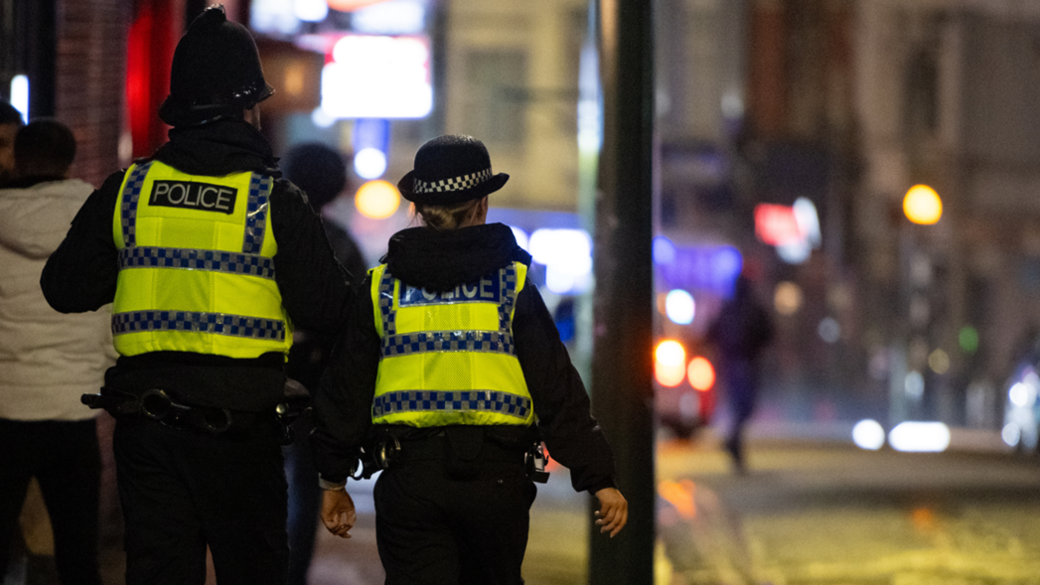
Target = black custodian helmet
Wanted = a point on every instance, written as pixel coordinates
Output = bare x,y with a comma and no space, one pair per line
216,71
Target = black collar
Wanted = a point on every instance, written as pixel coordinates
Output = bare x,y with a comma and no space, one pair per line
440,260
218,148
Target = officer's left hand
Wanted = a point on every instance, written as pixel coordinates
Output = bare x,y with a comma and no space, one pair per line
337,512
613,511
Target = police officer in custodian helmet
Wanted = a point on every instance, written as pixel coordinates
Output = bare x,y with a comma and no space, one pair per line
209,259
452,370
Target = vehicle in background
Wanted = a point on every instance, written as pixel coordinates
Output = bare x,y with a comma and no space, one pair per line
1021,411
684,389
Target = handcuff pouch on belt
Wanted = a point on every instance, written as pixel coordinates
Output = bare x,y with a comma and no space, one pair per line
462,450
376,455
157,405
295,405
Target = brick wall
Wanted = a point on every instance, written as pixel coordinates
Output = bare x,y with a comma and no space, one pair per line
90,80
89,96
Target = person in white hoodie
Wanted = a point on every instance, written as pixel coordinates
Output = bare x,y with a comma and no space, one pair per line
47,359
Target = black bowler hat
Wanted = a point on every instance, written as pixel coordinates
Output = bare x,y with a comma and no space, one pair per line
450,169
216,71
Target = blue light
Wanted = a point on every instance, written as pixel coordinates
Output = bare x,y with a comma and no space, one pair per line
321,118
396,17
728,263
311,10
370,163
679,307
20,95
709,268
664,250
522,239
371,143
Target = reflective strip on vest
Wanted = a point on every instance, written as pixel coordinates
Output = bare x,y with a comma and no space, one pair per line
463,400
196,265
217,323
449,357
215,261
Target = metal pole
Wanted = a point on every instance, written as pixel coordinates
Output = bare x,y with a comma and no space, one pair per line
622,394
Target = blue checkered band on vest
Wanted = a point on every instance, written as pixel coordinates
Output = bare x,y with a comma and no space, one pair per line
507,283
218,323
386,304
128,210
256,213
453,184
432,341
462,400
190,259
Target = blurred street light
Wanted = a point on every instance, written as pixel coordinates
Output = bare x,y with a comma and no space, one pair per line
922,205
377,199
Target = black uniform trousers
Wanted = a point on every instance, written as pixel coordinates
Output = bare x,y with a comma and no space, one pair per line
65,459
182,490
434,529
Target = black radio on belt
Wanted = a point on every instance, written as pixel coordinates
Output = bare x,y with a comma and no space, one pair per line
534,463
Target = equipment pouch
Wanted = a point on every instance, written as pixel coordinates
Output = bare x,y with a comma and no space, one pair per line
463,444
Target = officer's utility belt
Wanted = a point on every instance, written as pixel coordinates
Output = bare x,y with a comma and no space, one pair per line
462,450
157,405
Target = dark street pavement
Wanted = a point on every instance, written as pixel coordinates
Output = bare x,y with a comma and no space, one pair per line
812,509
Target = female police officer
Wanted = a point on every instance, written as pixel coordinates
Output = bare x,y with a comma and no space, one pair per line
451,369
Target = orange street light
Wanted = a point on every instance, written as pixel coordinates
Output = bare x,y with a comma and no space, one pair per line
670,363
377,199
922,205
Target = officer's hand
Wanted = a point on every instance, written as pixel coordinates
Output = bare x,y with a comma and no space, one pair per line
613,511
337,512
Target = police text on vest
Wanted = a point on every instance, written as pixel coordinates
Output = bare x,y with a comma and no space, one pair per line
485,290
189,195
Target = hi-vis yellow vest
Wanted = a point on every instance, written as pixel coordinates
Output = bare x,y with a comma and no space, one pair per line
448,358
196,268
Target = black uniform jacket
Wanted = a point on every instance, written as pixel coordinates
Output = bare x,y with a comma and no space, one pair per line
81,275
438,261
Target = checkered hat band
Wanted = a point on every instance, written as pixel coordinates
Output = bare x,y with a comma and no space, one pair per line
191,259
442,341
190,321
492,401
453,184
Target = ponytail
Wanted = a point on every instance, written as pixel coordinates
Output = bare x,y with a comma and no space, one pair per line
444,217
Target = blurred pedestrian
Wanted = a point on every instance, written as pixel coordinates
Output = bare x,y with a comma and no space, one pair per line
320,172
450,374
10,122
740,333
47,360
210,259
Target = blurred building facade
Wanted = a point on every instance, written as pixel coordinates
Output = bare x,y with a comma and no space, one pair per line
850,103
945,97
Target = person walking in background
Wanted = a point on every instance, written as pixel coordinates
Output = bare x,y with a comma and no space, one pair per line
320,172
10,122
740,333
47,360
209,259
452,370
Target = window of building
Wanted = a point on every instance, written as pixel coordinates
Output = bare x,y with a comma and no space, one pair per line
922,93
496,98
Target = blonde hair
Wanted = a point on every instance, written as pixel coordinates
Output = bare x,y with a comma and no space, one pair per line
444,217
